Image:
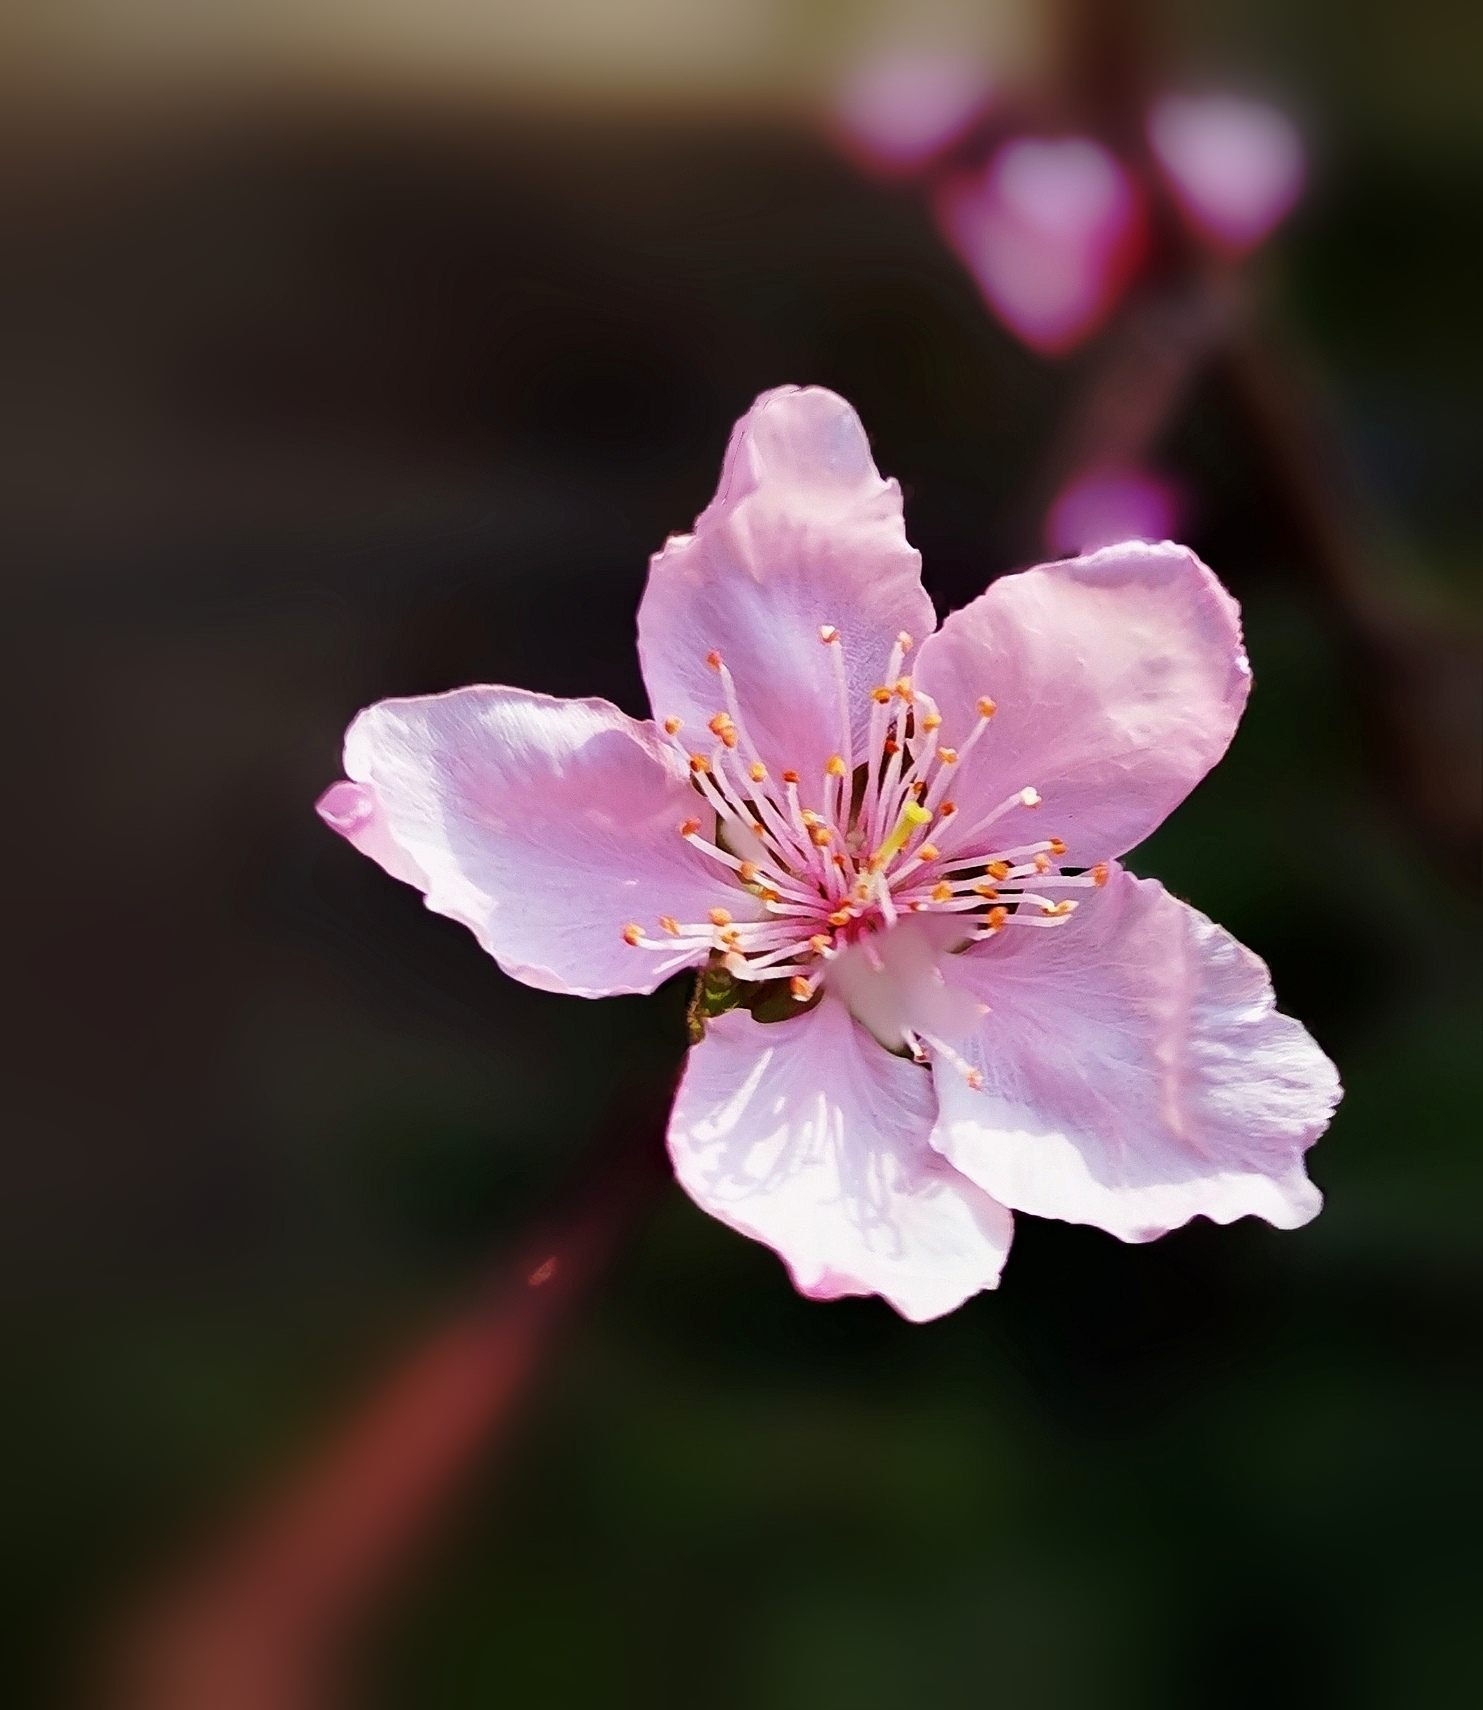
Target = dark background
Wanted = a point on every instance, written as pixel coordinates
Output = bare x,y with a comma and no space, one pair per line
316,400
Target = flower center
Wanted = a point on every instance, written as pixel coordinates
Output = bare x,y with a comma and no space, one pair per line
838,859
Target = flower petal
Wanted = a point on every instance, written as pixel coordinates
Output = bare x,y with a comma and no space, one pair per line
803,532
1118,678
1051,230
1236,166
1136,1073
897,111
544,826
806,1135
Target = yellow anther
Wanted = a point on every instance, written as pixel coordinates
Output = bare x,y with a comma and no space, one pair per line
1100,873
912,815
809,817
880,695
1057,847
747,872
800,988
699,763
942,891
756,771
931,721
986,707
720,917
828,633
820,942
633,933
713,659
721,726
997,869
835,767
690,828
671,726
822,836
669,924
841,917
928,852
948,756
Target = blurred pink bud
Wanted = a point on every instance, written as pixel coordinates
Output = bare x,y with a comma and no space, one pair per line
898,111
1052,231
1236,166
1108,505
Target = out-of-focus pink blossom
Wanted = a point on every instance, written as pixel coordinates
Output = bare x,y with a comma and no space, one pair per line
983,1011
1235,165
1052,230
899,111
1110,504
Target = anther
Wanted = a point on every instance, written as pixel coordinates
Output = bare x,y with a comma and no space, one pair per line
1041,863
699,763
948,756
1030,797
985,891
835,767
690,828
669,924
801,988
997,869
905,642
747,872
928,852
881,696
822,836
790,777
942,892
1058,909
713,659
1099,874
931,721
986,707
890,746
996,919
633,933
720,917
671,725
902,686
828,633
722,727
756,771
1057,847
947,810
820,942
841,917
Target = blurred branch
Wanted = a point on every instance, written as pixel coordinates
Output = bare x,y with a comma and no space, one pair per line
262,1621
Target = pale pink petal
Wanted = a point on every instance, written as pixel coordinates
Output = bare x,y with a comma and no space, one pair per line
802,533
806,1135
1052,230
897,111
1236,166
1109,504
544,826
1135,1073
1118,679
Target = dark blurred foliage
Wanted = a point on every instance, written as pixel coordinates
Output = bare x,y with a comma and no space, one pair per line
314,412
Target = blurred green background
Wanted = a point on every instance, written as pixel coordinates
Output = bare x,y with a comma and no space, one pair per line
381,386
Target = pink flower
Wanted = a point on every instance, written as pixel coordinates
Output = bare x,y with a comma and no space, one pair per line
1236,166
908,842
899,111
1106,505
1052,230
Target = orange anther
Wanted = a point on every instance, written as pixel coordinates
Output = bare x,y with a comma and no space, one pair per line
1100,873
931,721
822,836
671,726
928,852
756,771
986,707
713,659
767,894
985,891
947,810
790,776
690,828
747,872
841,917
820,942
720,917
800,988
919,786
721,726
699,763
1057,846
997,869
997,918
948,756
890,746
880,695
632,933
669,923
942,891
